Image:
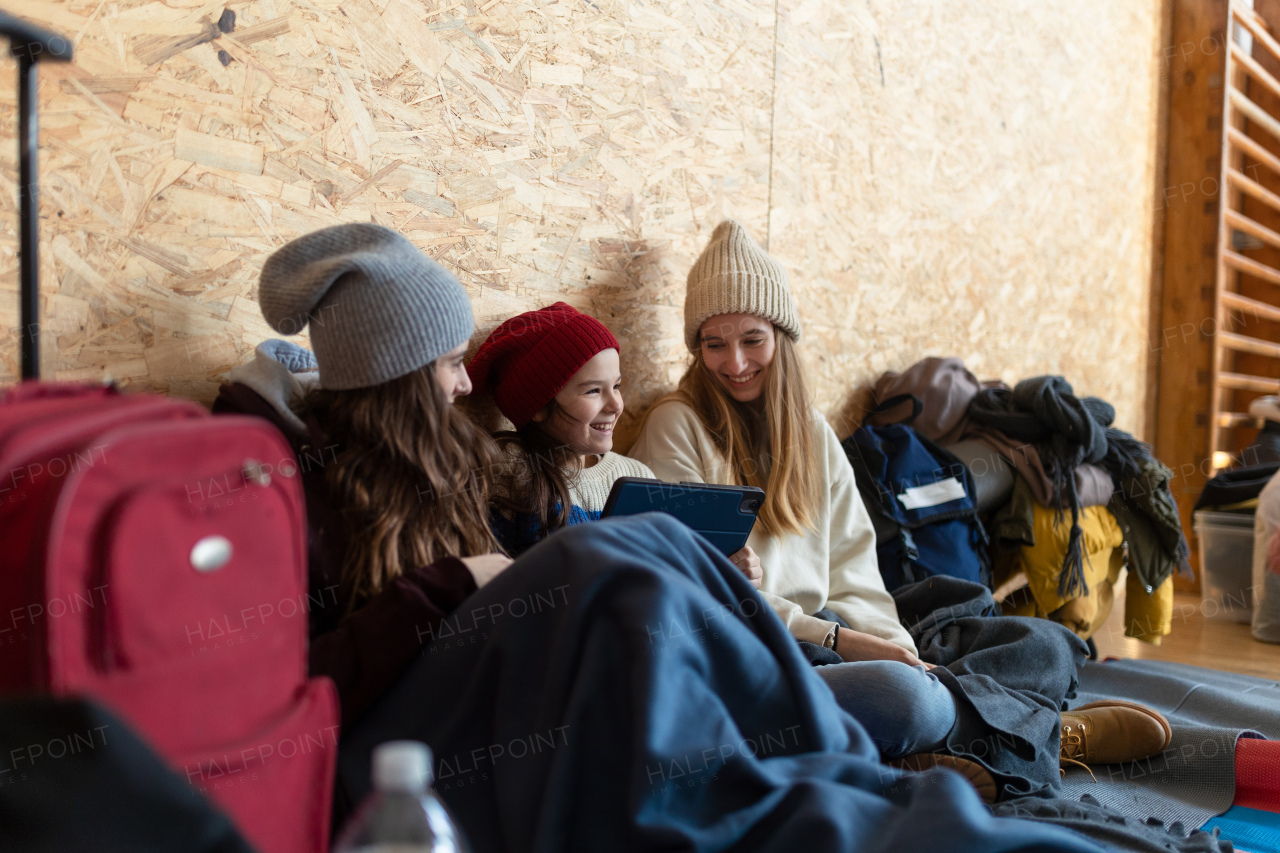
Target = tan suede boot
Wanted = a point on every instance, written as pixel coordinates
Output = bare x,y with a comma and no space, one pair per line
978,777
1113,732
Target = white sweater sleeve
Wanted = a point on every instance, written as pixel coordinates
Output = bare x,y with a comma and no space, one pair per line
857,591
669,445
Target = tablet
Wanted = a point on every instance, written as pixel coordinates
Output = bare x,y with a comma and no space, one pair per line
724,515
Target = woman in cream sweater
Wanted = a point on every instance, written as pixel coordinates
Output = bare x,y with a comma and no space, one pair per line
741,416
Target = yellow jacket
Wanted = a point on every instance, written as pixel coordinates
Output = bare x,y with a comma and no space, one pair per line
1147,617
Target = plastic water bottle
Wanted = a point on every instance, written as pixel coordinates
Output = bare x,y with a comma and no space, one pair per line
403,814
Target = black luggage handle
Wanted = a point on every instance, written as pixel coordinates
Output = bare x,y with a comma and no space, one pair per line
30,44
33,41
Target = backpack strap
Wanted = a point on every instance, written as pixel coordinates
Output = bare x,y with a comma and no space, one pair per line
917,406
854,454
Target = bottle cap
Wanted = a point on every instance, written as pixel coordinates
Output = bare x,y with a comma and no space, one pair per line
402,765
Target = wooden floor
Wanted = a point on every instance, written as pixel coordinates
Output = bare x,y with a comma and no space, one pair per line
1196,639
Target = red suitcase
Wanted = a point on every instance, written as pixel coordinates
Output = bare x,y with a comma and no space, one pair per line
154,558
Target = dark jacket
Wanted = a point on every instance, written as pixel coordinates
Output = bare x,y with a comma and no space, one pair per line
1145,508
365,651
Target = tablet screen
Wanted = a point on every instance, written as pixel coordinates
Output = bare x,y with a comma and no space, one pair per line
724,515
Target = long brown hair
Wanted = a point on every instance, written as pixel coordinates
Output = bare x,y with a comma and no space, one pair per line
410,478
768,443
536,478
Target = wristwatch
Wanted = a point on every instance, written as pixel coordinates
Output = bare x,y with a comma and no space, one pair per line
829,641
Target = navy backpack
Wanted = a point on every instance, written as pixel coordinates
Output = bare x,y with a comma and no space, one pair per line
922,502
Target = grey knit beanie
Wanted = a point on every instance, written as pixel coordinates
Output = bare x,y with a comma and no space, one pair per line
378,307
733,275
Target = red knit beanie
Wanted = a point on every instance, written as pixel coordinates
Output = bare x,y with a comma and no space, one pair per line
527,360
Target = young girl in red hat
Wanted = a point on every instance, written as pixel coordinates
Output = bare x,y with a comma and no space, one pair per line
555,374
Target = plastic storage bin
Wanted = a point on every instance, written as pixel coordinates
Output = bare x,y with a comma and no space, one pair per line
1266,582
1226,564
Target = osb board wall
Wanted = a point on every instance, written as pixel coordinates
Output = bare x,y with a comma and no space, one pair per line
970,179
939,178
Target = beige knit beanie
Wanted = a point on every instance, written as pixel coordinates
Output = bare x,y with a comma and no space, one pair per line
733,275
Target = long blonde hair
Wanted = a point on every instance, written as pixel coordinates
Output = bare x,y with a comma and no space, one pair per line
411,478
768,444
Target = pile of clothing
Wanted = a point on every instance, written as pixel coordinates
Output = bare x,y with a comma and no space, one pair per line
1070,500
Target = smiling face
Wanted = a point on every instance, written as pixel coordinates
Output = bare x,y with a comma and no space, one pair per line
588,407
451,373
737,350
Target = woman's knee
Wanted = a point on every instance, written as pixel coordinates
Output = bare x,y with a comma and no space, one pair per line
903,708
888,683
913,682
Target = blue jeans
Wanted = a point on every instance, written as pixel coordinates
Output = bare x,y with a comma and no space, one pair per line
904,708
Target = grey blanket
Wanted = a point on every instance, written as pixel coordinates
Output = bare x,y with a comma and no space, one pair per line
1194,779
1010,676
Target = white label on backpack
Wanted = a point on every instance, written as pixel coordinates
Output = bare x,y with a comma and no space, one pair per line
943,491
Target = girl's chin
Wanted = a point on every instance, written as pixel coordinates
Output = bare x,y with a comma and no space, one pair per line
743,395
596,446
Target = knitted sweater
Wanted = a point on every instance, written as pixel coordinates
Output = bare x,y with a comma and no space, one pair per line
588,491
831,567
